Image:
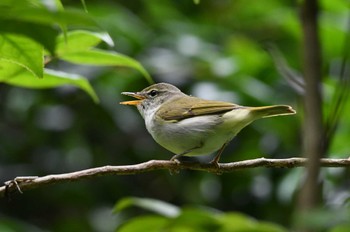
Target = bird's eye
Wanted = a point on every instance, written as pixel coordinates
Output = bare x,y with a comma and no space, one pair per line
153,93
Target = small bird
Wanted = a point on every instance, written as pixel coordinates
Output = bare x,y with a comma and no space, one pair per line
191,126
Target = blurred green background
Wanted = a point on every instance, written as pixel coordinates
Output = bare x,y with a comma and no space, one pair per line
216,49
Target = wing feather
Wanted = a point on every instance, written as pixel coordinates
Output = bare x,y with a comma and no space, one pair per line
188,107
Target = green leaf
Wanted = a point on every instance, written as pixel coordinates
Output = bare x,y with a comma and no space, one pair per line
239,222
52,79
41,15
22,51
153,205
144,223
197,218
42,34
9,70
84,5
58,5
79,40
48,16
341,228
100,57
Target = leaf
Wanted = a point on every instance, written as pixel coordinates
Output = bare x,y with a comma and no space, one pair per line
52,79
58,5
153,205
191,219
42,34
144,223
42,15
46,16
100,57
341,228
84,5
240,222
9,70
80,40
200,219
22,51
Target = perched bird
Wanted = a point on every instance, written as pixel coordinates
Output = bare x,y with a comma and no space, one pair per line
191,126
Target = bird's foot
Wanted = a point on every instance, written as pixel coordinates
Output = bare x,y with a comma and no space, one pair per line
177,162
216,166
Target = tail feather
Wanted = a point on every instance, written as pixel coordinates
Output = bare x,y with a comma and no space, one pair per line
271,111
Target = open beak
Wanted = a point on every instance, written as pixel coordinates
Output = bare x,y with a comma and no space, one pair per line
135,95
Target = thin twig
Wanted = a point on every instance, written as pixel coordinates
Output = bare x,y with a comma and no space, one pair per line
22,183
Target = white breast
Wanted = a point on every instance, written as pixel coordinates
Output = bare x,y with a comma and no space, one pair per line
199,135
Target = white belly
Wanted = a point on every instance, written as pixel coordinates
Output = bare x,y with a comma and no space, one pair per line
199,135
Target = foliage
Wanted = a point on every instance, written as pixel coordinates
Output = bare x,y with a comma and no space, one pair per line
171,218
22,52
214,49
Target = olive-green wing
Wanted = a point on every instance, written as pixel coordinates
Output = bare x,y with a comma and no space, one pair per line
188,107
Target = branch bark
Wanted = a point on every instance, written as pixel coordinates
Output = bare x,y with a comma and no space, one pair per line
21,184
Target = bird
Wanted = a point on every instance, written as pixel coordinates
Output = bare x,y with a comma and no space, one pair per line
192,126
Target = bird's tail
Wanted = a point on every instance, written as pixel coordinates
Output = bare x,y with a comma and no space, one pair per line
271,111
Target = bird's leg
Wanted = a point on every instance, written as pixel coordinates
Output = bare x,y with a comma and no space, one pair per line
175,157
216,159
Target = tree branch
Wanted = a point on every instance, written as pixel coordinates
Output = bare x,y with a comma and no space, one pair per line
20,184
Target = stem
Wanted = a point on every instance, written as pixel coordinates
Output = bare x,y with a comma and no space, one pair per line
313,138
